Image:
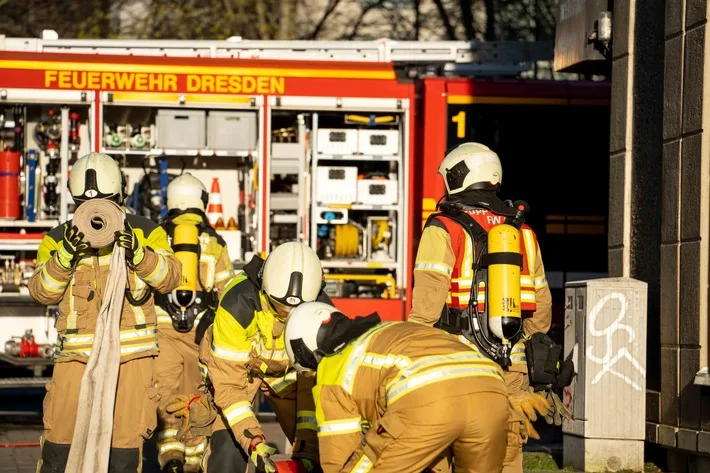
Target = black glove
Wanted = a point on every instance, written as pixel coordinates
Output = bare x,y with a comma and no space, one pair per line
73,246
128,240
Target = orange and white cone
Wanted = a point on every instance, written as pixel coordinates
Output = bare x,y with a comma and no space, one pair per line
214,204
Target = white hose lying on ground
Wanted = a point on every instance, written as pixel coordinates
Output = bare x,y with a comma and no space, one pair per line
91,444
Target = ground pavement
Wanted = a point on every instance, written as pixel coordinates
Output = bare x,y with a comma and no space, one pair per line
21,456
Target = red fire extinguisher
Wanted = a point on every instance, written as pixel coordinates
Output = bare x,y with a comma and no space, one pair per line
10,185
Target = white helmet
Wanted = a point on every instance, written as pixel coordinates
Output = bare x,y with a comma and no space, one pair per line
292,274
95,176
471,166
302,332
187,192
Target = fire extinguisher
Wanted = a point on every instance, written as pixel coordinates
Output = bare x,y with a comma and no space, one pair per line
10,201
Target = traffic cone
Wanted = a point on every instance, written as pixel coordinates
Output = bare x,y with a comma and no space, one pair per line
214,205
232,225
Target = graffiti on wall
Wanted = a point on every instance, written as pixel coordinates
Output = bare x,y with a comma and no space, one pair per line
613,355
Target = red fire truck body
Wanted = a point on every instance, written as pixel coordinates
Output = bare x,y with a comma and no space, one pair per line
430,114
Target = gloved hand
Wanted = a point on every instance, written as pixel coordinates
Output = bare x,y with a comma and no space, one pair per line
310,465
127,239
73,245
260,453
195,412
558,409
525,404
179,407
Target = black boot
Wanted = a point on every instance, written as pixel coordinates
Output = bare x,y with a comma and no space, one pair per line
173,466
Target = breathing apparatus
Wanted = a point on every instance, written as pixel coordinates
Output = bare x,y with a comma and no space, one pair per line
187,198
496,269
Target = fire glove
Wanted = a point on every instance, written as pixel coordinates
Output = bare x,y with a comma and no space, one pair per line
128,240
525,404
310,465
195,412
558,411
73,245
260,453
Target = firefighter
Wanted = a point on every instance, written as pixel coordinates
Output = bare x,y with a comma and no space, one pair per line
378,397
243,354
445,283
73,276
184,314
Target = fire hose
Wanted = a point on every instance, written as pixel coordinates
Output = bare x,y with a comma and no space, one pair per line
91,445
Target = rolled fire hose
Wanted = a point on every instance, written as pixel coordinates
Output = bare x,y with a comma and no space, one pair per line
91,444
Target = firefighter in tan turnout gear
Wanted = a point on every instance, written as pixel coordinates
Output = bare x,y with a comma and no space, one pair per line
458,287
243,354
390,397
185,314
73,276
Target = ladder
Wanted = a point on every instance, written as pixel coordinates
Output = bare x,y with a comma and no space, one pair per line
499,58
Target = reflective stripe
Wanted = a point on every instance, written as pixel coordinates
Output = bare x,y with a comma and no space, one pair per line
363,465
384,361
279,384
203,369
138,314
158,274
167,433
527,296
195,450
49,283
238,412
540,282
193,460
170,447
132,341
223,276
165,320
306,420
339,427
354,359
437,267
210,261
231,355
407,385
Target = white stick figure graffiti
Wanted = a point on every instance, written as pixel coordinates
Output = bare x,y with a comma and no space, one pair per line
610,360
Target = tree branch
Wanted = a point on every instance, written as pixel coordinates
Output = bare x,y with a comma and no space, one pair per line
332,5
450,31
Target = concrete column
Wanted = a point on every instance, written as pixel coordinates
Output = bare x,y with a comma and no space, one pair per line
684,222
636,154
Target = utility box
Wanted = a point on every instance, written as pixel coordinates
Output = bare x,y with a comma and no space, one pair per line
231,131
605,337
180,129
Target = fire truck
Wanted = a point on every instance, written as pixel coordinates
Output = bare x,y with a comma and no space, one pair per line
335,144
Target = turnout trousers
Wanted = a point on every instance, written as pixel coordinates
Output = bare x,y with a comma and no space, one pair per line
178,373
134,415
515,381
412,438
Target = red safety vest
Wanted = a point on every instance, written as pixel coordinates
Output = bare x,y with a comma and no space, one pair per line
464,250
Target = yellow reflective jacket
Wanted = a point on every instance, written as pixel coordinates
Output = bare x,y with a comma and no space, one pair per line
247,352
79,292
394,365
215,270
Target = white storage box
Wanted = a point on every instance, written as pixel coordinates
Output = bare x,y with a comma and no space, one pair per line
181,129
336,185
378,142
231,131
233,239
377,191
336,141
